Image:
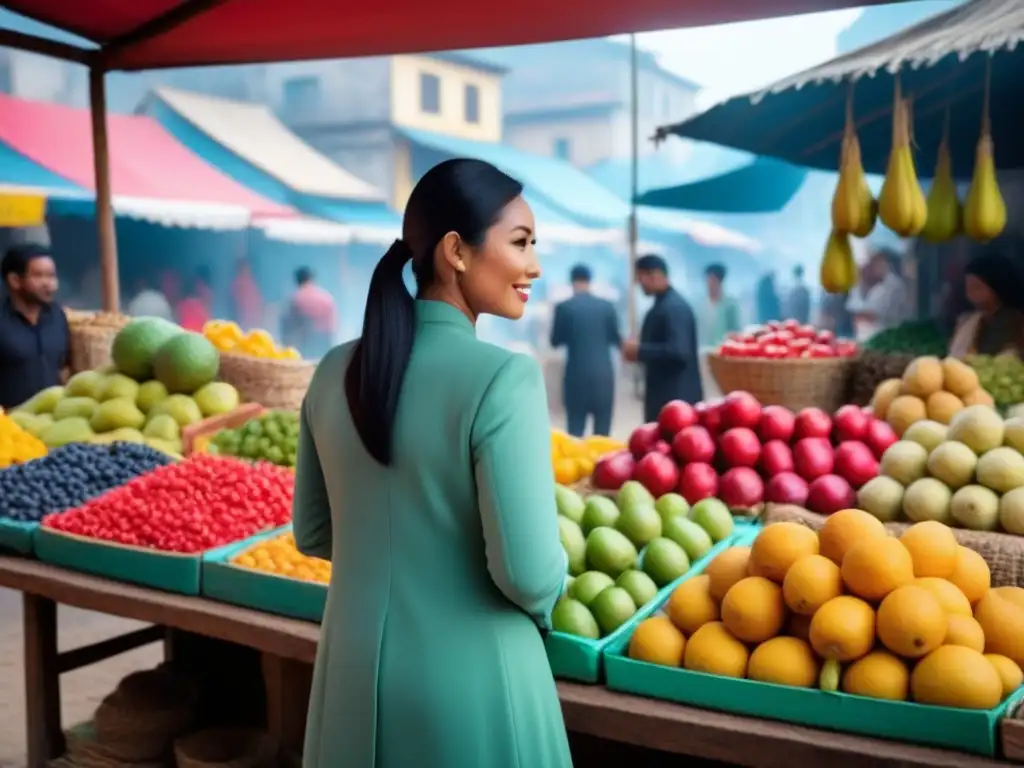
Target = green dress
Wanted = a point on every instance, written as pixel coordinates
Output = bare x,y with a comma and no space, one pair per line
445,566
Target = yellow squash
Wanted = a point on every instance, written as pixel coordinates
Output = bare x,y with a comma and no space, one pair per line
901,204
838,268
944,212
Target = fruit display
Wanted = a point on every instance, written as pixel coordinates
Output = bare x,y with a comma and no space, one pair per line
746,454
16,445
573,458
279,556
902,206
272,436
185,507
945,214
853,207
930,389
70,476
968,474
226,336
1002,376
984,212
622,551
787,339
849,609
915,337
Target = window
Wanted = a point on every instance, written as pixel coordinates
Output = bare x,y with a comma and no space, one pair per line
430,93
472,104
301,94
563,149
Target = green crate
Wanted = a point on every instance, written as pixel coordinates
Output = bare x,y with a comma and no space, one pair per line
170,571
262,591
17,536
967,730
581,659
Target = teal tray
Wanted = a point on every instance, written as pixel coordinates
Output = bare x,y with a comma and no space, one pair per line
261,591
17,536
170,571
967,730
582,659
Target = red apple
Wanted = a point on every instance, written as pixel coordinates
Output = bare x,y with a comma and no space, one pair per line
786,488
849,423
611,471
776,458
694,445
741,409
812,457
643,439
675,416
826,337
777,423
657,473
698,481
741,487
709,415
879,437
855,463
812,422
662,447
740,447
828,494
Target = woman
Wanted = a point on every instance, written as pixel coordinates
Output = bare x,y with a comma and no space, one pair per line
993,284
193,311
430,489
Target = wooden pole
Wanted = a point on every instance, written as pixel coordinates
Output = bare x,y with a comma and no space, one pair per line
104,198
633,233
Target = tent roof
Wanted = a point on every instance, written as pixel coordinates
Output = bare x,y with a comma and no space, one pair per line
146,34
253,133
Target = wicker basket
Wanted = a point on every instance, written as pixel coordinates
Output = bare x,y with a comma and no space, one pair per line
226,748
271,383
796,384
871,369
89,346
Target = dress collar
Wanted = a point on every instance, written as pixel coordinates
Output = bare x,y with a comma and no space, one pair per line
442,313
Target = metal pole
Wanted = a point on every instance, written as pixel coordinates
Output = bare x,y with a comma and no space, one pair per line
633,232
104,205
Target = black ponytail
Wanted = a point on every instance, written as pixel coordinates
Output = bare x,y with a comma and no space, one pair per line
374,377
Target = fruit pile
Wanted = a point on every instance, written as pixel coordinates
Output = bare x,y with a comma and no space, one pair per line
621,552
850,608
786,340
1002,376
189,507
573,458
745,454
930,389
226,336
969,473
70,476
16,445
279,556
272,436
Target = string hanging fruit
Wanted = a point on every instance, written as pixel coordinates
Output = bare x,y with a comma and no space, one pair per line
984,210
853,207
944,210
838,268
901,204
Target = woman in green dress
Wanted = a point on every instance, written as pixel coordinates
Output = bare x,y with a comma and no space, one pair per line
424,475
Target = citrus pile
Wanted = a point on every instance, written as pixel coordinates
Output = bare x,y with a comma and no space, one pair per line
573,458
851,608
17,445
280,556
226,336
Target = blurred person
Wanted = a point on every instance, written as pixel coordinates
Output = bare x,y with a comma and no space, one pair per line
995,289
247,302
311,320
767,299
834,315
34,335
193,311
668,341
884,300
720,313
149,302
588,327
798,303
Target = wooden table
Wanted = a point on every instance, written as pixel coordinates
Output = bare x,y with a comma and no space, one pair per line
289,645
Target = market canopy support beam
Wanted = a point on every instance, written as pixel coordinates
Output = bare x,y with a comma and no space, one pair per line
104,194
35,44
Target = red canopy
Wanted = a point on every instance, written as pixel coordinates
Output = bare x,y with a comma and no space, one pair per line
145,160
146,34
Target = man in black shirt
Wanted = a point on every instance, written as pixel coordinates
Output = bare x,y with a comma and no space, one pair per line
33,329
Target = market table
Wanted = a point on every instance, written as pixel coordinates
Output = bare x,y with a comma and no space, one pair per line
289,646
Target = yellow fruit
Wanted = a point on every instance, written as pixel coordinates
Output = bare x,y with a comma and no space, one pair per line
799,626
726,569
753,610
566,471
691,606
875,567
984,208
979,397
811,582
830,677
952,600
944,210
279,556
971,574
784,661
943,406
923,377
845,528
1001,615
657,641
885,393
1010,674
954,676
933,548
901,203
843,629
838,271
714,651
904,411
958,377
911,622
853,208
879,675
965,631
778,546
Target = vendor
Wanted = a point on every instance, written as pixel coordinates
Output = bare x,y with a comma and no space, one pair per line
885,302
995,289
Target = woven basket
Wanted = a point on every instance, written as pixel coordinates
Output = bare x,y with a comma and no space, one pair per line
84,750
1003,552
271,383
89,346
871,369
226,748
795,384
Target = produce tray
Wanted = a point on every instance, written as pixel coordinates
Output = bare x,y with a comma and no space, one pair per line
249,588
170,571
195,437
582,659
17,536
967,730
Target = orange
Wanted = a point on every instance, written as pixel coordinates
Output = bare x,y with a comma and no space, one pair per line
952,600
566,471
954,676
971,574
811,582
778,546
753,609
879,675
784,661
691,606
1009,672
726,569
657,641
844,529
911,622
875,567
965,631
714,651
843,629
932,547
1001,615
